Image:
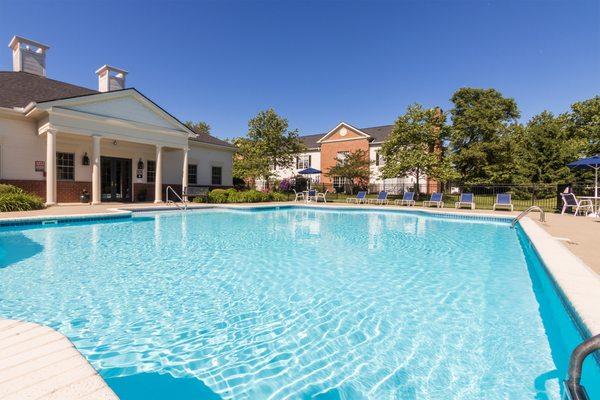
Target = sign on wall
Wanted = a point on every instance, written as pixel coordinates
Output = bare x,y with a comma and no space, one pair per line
40,166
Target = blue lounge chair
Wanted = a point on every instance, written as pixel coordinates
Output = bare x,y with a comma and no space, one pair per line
381,198
408,198
361,197
465,200
503,200
311,195
434,200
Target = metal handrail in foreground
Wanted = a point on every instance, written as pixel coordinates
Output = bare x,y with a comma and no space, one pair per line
168,201
573,388
524,213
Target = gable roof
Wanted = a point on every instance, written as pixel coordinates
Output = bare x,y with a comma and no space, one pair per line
18,89
347,126
378,134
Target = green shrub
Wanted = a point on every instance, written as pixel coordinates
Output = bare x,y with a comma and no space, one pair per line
10,189
278,196
218,196
19,202
241,196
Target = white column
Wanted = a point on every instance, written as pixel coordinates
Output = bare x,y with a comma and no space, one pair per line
158,176
50,167
184,177
96,189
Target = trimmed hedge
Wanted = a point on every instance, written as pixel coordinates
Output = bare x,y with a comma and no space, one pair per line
220,196
13,198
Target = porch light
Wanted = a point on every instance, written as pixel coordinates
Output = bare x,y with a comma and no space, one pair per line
85,160
140,164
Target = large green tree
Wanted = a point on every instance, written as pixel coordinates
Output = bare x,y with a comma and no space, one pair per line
585,124
269,143
544,148
415,146
199,127
354,166
484,126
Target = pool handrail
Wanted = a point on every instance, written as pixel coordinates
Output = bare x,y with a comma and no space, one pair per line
573,388
168,201
527,211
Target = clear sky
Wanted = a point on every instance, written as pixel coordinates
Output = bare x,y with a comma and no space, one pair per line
319,63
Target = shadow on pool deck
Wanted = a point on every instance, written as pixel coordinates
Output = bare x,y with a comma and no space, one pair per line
155,386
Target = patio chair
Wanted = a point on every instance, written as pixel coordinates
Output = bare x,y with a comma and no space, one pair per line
381,198
298,195
465,200
570,201
322,195
408,198
503,200
361,197
311,195
434,200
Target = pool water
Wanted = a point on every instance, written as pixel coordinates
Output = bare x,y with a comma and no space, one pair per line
297,303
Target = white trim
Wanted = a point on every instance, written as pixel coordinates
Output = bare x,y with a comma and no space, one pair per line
346,125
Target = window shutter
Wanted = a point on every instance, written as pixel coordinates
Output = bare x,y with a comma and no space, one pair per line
309,161
297,162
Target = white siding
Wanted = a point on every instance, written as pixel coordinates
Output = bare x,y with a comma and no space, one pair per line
291,171
205,158
20,147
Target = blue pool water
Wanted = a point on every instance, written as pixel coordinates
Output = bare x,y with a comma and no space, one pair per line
297,303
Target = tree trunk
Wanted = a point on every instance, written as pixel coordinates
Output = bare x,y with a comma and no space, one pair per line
417,186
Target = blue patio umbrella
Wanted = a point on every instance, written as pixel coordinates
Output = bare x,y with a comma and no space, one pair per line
589,162
309,171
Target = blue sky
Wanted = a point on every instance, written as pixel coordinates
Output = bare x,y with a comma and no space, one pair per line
319,63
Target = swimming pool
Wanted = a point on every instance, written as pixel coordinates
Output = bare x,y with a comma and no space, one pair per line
295,303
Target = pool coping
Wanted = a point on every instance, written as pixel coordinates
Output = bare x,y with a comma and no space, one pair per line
37,361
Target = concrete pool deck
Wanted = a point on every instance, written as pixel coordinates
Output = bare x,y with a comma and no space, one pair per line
37,362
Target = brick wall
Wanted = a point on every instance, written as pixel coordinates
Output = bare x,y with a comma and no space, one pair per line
66,191
329,152
34,187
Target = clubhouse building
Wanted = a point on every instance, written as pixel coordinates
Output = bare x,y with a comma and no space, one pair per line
58,139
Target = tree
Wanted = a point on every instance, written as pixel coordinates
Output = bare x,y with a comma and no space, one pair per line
268,144
585,124
354,167
415,146
200,127
483,127
544,149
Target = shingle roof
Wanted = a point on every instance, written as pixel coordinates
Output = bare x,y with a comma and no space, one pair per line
17,89
378,133
204,138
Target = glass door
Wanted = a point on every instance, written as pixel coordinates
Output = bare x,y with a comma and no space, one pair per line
115,178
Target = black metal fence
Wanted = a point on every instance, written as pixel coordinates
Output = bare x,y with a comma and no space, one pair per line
546,196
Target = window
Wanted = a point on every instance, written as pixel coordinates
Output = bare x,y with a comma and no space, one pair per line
303,161
151,172
65,166
379,160
339,182
192,174
341,155
217,172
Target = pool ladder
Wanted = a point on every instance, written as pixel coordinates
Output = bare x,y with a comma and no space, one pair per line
168,190
573,388
524,213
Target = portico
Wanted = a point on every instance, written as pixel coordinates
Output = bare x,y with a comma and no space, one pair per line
74,126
